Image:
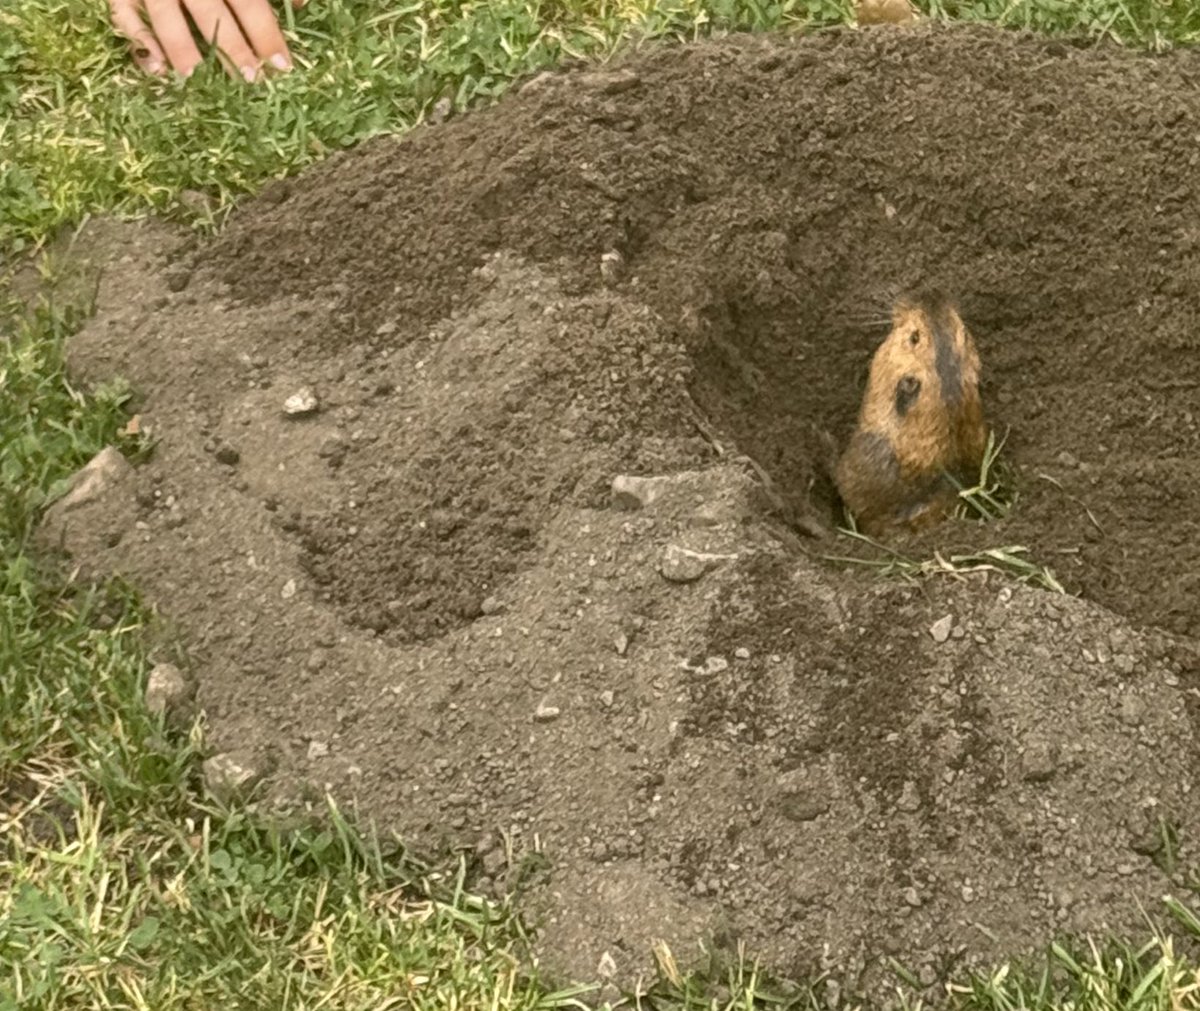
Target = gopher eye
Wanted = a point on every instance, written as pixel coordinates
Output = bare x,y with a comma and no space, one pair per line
914,338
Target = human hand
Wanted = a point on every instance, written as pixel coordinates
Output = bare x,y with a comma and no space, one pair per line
246,33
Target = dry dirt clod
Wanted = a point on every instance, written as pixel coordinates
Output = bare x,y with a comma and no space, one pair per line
227,455
682,565
317,749
910,799
940,629
611,82
612,267
491,605
100,473
1040,762
629,492
99,502
178,278
231,775
301,403
167,690
546,713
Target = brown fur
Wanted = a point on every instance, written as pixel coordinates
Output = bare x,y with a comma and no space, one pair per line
892,472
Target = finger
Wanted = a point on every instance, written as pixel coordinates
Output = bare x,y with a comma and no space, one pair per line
174,35
297,4
127,21
218,26
262,31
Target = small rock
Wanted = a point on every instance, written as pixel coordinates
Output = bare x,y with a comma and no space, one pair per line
800,806
911,897
385,329
545,713
610,82
607,967
968,893
442,110
631,492
230,775
622,644
99,473
940,629
716,664
227,455
494,861
302,402
909,800
1145,835
742,653
612,267
167,690
491,606
178,278
681,565
1039,762
333,450
1066,459
317,749
289,590
1133,711
606,697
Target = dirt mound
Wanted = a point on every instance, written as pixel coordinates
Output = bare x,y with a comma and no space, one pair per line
768,198
676,718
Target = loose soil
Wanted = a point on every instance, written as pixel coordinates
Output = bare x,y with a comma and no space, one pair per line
682,720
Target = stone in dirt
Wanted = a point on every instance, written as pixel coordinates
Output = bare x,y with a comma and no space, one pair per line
940,629
301,403
524,384
168,691
99,504
682,565
230,776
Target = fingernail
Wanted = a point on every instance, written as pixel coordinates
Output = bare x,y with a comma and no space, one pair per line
141,52
250,74
281,62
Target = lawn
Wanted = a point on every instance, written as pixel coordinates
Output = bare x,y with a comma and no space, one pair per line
121,884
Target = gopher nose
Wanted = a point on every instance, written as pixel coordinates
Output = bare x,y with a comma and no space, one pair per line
907,390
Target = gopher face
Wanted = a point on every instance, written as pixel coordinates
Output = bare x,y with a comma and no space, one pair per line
929,339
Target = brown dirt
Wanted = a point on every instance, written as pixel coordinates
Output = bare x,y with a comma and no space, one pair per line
424,597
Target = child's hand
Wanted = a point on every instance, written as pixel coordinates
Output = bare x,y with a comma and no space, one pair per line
246,33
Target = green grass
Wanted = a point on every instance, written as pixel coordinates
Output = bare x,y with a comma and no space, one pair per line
989,498
121,885
81,130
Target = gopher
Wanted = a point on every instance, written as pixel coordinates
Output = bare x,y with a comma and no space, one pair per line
921,422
